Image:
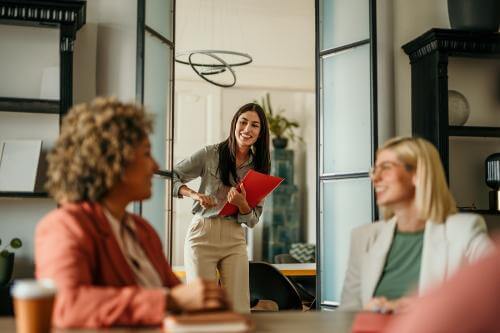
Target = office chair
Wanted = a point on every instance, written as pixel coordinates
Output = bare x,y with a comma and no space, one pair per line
305,285
268,283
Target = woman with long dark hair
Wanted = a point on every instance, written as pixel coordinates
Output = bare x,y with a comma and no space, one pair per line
214,243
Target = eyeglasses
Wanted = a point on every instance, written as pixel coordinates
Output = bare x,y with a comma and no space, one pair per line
385,167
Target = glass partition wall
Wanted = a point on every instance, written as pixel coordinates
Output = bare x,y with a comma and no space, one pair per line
346,133
155,71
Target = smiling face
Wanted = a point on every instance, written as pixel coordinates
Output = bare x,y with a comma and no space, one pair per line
394,184
247,129
138,172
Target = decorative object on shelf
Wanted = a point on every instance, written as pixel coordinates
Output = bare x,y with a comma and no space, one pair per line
492,173
7,260
19,164
458,108
49,88
280,126
474,15
214,65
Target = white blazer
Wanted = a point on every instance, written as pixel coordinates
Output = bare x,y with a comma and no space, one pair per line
446,247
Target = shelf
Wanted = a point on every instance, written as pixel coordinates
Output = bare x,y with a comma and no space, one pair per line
71,13
29,105
454,43
474,131
24,194
481,211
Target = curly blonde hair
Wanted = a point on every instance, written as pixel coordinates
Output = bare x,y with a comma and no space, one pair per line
97,140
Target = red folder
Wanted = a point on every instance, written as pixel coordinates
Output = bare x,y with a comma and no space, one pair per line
257,186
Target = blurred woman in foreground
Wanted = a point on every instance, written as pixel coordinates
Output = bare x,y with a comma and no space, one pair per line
108,264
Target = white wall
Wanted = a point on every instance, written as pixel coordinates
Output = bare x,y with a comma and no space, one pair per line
116,46
278,34
104,63
385,70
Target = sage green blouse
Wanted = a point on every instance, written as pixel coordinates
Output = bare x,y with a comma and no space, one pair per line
402,266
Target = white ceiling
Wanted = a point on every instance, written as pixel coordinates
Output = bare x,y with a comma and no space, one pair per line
278,34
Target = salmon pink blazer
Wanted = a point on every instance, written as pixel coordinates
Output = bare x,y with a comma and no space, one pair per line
75,247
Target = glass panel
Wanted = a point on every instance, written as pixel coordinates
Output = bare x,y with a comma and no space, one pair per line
346,204
346,110
157,76
344,22
159,16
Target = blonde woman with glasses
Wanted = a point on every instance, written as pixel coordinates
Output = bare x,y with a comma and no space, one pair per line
420,242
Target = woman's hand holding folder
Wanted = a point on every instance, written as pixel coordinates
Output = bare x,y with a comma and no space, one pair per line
198,295
238,199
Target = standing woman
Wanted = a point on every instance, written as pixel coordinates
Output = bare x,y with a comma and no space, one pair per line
214,243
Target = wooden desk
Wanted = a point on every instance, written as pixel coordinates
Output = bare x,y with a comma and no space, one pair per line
297,269
278,322
287,269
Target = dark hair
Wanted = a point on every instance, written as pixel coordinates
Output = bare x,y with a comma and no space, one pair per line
227,148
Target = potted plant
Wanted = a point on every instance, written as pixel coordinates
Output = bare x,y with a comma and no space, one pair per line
281,127
7,260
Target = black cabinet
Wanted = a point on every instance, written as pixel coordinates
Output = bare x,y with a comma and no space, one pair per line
68,16
429,55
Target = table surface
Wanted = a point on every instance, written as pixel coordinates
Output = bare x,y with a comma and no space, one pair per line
284,321
308,269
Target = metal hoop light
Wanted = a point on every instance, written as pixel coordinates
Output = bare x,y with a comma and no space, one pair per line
225,64
214,69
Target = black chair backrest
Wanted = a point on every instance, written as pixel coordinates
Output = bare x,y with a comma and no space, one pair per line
268,283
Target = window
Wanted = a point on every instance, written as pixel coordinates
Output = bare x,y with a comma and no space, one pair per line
347,132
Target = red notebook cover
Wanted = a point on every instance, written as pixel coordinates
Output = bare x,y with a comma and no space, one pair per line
257,186
216,322
369,322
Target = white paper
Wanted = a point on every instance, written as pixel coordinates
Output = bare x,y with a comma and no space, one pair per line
19,164
49,89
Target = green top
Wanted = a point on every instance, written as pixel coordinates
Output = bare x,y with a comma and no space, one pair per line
402,266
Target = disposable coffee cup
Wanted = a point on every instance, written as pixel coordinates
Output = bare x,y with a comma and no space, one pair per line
33,305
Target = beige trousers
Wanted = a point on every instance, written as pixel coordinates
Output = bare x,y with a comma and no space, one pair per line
216,244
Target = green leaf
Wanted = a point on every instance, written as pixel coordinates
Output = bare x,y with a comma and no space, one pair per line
279,125
16,243
4,253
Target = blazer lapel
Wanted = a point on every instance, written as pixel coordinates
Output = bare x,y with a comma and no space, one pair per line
378,247
154,258
434,264
117,264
